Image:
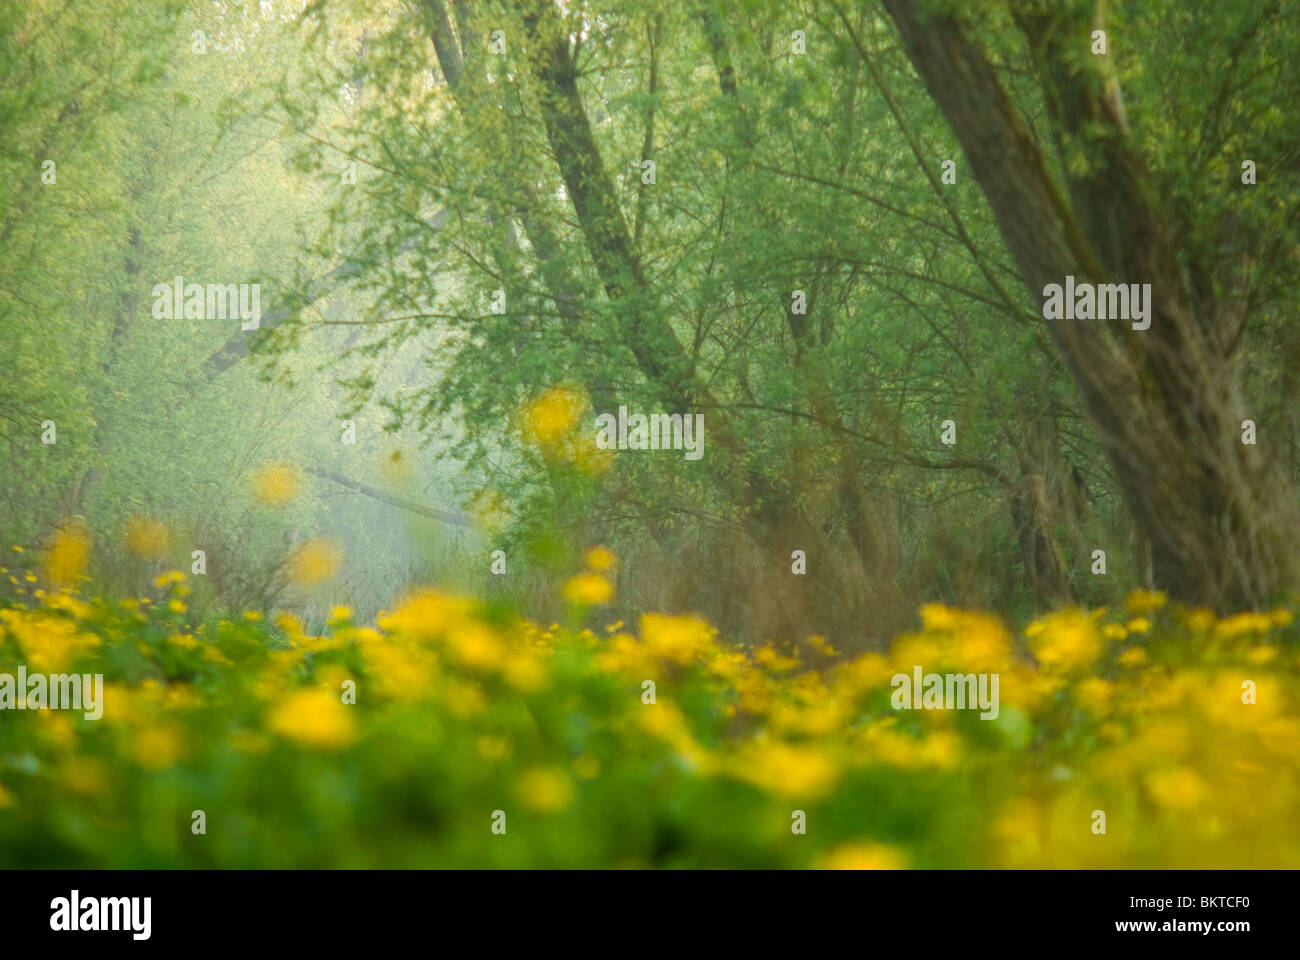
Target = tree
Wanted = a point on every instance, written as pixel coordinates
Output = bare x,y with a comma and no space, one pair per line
1167,401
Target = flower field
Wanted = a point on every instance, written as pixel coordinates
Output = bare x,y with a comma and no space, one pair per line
449,733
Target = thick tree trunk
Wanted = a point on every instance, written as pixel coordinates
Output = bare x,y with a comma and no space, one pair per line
1165,400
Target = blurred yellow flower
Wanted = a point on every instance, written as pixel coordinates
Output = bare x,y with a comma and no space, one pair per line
1067,641
315,561
85,776
599,559
862,856
797,772
477,646
1094,694
545,789
1179,789
158,746
426,614
1133,657
493,748
680,639
525,672
401,671
983,644
775,661
588,589
867,672
50,643
553,414
164,580
275,484
66,560
313,718
1145,601
1241,624
147,538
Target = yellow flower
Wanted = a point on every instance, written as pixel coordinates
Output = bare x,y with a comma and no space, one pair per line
315,561
66,561
1094,694
680,639
313,718
552,416
426,614
773,660
918,649
935,616
1068,640
1145,601
86,776
465,699
525,672
401,671
163,580
819,644
1243,623
803,772
867,672
862,856
588,589
983,644
545,789
1133,657
476,646
275,484
158,746
493,749
147,538
50,643
1179,789
599,558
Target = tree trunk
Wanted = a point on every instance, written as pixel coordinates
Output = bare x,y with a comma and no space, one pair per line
1165,400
